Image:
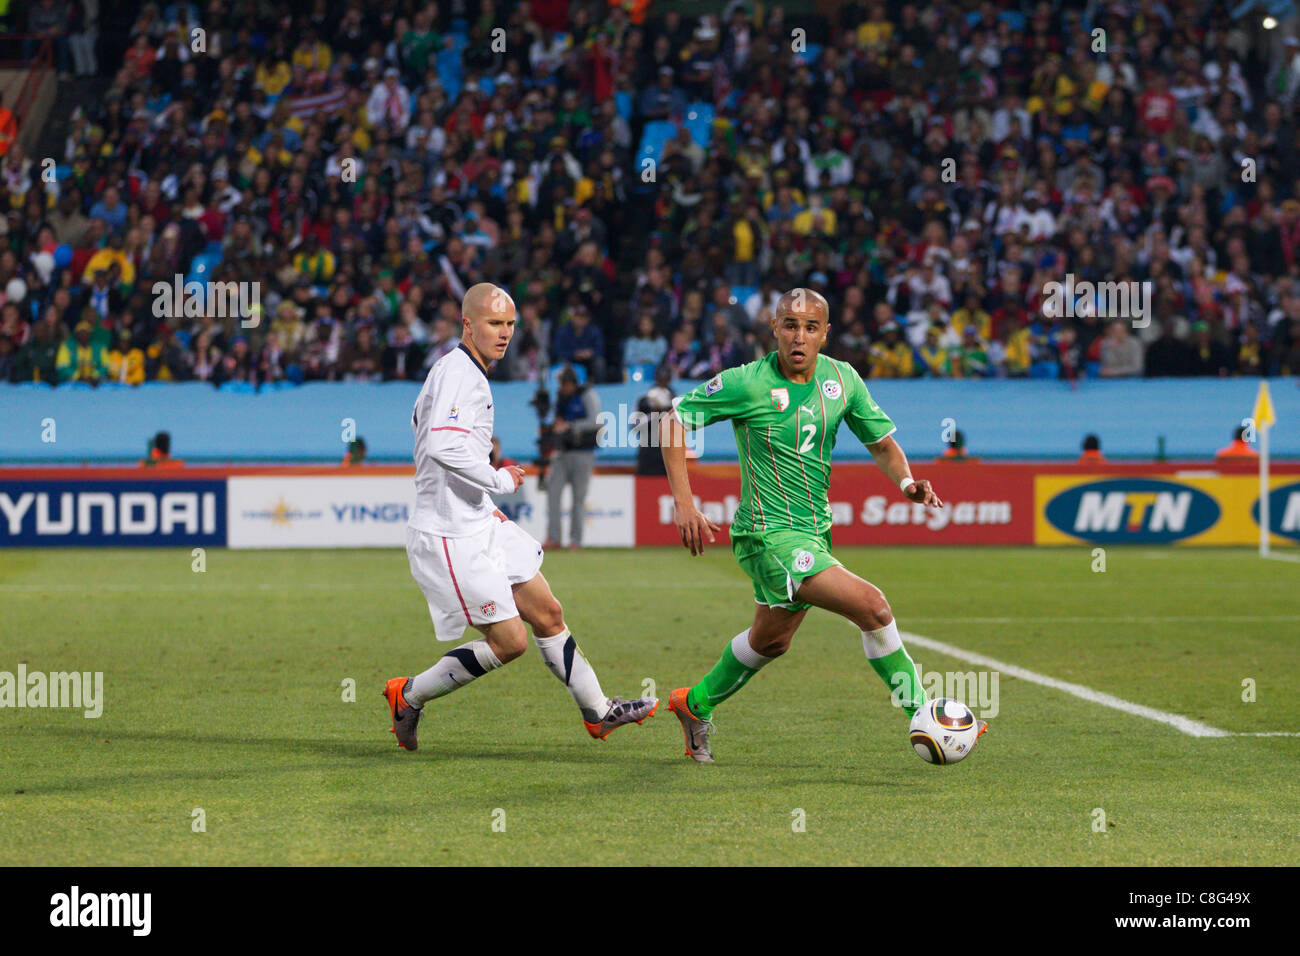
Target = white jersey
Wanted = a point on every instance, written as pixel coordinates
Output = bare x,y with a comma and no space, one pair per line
453,422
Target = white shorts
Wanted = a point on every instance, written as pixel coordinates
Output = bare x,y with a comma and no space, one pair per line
469,581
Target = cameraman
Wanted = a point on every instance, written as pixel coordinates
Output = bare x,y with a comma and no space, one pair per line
654,404
574,429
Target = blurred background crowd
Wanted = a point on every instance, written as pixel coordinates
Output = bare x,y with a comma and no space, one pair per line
647,183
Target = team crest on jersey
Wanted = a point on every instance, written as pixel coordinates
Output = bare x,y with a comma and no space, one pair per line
803,560
714,385
454,414
831,390
780,399
489,609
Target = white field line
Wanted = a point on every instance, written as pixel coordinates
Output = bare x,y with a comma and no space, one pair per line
1282,557
1132,619
1193,728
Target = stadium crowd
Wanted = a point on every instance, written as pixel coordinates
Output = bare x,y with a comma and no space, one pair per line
647,184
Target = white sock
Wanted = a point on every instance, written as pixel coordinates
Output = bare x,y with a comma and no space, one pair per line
746,654
562,658
454,669
881,642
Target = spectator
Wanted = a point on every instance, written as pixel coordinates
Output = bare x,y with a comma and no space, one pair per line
80,359
654,405
955,447
38,359
83,32
8,127
362,360
579,342
1168,355
1121,353
891,357
1091,454
111,209
933,354
48,19
971,359
722,351
1208,357
647,347
1238,448
126,361
160,453
356,453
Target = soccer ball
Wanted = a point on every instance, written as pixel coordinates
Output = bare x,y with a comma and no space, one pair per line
944,731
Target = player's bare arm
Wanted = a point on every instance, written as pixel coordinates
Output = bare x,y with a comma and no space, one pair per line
890,458
691,523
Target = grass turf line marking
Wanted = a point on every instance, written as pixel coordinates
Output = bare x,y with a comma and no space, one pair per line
1282,557
1188,726
1236,618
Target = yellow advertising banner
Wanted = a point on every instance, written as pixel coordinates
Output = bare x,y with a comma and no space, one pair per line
1181,507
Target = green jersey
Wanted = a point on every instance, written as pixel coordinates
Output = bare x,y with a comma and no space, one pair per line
785,433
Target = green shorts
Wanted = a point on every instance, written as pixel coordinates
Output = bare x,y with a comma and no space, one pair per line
778,561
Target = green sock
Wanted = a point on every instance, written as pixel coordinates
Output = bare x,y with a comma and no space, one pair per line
728,676
897,670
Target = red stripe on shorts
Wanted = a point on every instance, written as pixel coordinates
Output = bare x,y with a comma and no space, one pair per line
447,555
449,428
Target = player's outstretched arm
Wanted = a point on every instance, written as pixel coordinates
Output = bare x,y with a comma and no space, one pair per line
892,461
691,523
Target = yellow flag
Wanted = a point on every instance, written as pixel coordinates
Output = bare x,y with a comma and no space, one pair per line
1263,408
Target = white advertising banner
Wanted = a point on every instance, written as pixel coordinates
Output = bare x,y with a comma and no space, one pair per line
319,512
610,513
371,512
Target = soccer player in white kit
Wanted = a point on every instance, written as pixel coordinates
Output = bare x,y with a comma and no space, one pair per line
477,569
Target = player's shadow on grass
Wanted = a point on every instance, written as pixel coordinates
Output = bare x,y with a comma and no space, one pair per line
374,749
669,768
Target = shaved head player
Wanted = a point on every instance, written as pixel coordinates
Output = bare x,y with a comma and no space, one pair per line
476,569
785,410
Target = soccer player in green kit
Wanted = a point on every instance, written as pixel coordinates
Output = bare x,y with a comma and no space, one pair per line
785,410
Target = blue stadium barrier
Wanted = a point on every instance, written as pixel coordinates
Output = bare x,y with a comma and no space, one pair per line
1002,419
639,373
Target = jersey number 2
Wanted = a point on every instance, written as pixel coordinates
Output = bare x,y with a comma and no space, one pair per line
808,432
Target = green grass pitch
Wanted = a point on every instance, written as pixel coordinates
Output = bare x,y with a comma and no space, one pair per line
224,691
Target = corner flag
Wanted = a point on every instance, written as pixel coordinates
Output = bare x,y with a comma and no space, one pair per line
1264,419
1263,413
